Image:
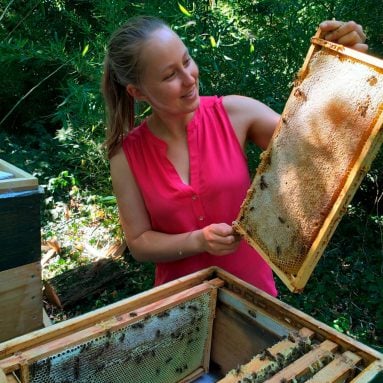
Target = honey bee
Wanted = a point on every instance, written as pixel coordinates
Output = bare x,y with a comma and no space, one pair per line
262,184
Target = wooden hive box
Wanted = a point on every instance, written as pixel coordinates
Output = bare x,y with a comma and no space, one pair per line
21,305
329,133
206,327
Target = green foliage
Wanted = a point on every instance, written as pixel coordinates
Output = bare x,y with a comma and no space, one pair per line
52,124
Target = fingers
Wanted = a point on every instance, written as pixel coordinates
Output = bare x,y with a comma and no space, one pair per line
349,34
220,239
360,47
330,25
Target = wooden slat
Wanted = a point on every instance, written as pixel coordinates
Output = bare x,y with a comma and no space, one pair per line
129,304
11,378
54,346
193,376
21,181
338,370
368,59
302,365
372,374
253,312
261,362
20,301
207,348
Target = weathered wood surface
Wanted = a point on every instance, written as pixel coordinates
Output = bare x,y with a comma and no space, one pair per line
72,286
21,307
20,179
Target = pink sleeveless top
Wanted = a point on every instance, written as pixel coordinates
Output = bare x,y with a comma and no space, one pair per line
219,180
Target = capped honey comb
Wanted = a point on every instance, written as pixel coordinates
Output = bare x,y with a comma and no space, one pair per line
329,133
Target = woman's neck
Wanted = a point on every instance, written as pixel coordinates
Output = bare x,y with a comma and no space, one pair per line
169,128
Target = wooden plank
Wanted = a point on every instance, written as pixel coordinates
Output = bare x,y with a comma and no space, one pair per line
11,378
20,301
193,376
254,313
21,180
235,339
56,345
46,320
115,309
339,370
293,318
372,374
271,359
19,229
207,348
303,364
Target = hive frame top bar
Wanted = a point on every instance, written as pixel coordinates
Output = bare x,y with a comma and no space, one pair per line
297,280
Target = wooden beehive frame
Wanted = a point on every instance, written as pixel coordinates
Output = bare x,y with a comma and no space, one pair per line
296,281
233,296
21,180
24,359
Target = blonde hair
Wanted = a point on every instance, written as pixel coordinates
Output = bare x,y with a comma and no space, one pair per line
122,66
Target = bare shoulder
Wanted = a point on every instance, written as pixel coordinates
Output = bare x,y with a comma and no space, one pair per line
120,172
236,103
251,119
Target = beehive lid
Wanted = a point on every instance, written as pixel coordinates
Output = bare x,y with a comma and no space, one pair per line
13,179
328,135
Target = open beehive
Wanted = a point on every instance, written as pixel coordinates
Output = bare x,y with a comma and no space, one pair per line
328,135
208,326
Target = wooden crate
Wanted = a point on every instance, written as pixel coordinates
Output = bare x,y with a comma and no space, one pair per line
20,272
329,133
245,334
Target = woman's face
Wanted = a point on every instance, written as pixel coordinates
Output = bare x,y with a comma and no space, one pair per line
169,81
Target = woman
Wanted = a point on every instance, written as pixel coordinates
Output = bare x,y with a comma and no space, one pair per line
181,175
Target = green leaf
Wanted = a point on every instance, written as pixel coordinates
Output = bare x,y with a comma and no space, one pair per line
184,10
213,43
252,48
85,50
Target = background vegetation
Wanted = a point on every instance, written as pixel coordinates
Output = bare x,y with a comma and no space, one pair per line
52,125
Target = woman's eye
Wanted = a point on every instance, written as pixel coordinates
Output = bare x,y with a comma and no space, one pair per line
169,76
187,61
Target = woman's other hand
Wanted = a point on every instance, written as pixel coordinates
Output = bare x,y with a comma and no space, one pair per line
219,239
349,34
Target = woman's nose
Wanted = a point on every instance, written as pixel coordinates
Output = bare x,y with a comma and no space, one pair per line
188,77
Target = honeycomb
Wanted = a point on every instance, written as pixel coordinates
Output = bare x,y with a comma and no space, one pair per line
164,347
327,121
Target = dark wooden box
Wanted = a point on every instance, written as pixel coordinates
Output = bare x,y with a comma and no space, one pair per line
20,271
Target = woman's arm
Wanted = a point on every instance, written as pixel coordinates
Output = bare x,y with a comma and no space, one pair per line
146,244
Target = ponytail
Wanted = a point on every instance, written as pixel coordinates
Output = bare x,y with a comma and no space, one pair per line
122,66
120,110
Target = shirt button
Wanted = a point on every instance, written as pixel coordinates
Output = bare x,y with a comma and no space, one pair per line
201,218
194,197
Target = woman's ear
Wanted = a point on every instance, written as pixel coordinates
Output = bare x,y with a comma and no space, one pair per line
135,92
